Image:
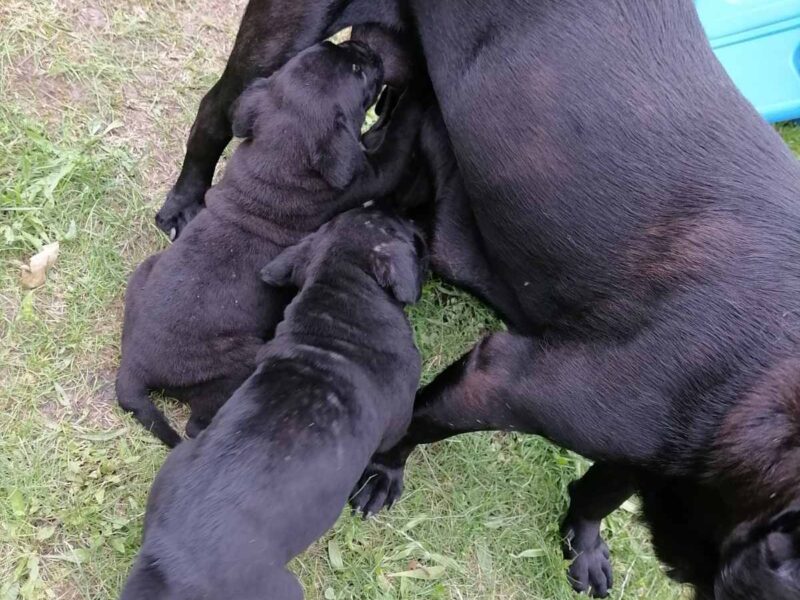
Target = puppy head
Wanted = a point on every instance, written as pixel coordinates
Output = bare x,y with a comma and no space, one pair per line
388,248
320,96
761,560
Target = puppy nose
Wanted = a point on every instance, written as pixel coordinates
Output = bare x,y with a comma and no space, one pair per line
363,52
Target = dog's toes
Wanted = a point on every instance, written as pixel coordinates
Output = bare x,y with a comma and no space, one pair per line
591,571
379,487
599,582
177,212
377,501
360,495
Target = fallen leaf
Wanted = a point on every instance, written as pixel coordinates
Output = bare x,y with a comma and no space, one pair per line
413,523
421,572
532,553
45,533
335,556
34,274
17,502
485,563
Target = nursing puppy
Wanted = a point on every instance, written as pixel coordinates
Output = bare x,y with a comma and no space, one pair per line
273,470
196,314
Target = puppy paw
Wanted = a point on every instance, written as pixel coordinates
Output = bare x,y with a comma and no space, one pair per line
176,214
590,571
380,486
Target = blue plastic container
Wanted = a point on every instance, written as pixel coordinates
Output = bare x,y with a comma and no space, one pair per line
758,43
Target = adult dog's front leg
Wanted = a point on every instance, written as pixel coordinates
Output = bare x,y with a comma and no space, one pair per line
582,397
593,497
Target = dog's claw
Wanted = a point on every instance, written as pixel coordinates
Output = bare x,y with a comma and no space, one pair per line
379,487
590,571
176,213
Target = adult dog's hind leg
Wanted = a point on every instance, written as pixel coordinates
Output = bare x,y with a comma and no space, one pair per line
593,497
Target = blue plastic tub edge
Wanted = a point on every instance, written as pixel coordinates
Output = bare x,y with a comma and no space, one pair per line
758,43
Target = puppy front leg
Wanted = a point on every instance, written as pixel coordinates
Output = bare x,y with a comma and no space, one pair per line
593,497
587,398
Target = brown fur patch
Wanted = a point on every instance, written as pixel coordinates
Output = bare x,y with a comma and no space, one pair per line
757,450
680,248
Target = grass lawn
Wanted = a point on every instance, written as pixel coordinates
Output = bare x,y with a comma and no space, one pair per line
96,99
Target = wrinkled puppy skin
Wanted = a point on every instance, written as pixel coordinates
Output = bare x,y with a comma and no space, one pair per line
197,313
273,471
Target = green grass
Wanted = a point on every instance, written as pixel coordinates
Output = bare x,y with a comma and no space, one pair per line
95,103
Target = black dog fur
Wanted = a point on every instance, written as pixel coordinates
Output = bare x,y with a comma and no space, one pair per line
273,470
645,220
197,313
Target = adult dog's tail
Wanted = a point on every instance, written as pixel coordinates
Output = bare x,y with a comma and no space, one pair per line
134,397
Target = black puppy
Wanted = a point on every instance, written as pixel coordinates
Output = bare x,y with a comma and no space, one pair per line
271,33
273,470
197,313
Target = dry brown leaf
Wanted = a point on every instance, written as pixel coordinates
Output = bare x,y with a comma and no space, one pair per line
34,273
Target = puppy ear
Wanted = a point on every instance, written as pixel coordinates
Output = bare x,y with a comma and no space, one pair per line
338,156
398,267
247,107
288,268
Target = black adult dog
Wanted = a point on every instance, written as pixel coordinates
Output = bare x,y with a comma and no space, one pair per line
643,223
197,313
274,469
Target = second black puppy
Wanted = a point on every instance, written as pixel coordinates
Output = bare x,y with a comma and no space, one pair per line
274,469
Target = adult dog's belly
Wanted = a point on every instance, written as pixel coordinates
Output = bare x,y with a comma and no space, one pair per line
581,128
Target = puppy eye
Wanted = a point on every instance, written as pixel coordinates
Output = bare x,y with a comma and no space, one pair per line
356,69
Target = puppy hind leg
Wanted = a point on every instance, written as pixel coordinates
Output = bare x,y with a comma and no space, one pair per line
593,497
134,397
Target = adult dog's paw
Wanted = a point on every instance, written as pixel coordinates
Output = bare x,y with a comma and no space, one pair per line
380,486
176,213
590,571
